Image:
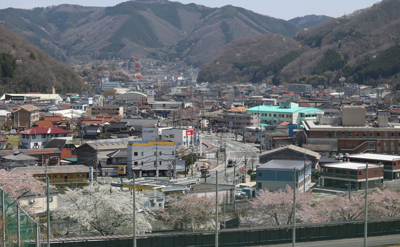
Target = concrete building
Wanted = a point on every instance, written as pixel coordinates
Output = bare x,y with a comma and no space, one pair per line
146,157
181,137
109,109
237,120
44,156
277,174
391,163
286,111
51,99
153,133
351,175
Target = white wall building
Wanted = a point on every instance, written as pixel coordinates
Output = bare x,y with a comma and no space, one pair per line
152,133
179,136
35,138
145,157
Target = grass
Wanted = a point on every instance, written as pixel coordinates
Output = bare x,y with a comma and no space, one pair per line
13,140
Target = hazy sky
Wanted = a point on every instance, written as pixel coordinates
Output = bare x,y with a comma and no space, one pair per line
284,9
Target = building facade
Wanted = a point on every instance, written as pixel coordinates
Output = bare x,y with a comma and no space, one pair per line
237,121
146,158
24,116
277,174
35,138
108,109
286,111
391,163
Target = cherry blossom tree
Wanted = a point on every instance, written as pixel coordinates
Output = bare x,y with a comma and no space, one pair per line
276,208
17,185
188,212
105,210
385,203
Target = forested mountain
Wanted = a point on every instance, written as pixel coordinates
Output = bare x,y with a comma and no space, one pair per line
309,20
165,30
363,46
24,67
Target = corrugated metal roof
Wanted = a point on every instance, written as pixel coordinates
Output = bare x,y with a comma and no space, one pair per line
284,165
277,109
50,169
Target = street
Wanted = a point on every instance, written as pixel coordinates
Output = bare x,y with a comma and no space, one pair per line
239,152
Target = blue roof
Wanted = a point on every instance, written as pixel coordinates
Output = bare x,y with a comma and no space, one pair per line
283,165
71,159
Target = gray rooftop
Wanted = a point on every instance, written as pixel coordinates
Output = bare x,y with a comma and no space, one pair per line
50,170
283,165
375,157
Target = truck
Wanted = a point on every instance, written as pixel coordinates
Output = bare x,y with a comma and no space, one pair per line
231,163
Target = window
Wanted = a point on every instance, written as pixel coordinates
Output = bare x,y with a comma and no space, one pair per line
350,134
33,136
371,134
142,153
135,154
378,133
73,152
259,174
44,136
136,163
173,152
68,146
392,144
359,173
376,172
379,144
171,136
343,134
328,134
357,134
50,199
160,152
142,162
56,135
385,144
155,153
364,134
259,186
392,134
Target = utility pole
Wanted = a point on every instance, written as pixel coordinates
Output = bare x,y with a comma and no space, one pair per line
294,209
226,154
134,210
48,209
366,208
156,158
175,156
216,208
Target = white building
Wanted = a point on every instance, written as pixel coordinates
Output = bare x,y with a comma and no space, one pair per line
179,136
145,157
35,138
153,133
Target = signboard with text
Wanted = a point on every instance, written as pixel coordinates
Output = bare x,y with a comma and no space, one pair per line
189,132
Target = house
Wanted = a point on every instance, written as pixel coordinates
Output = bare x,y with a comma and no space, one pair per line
67,148
114,161
19,157
35,138
24,116
93,153
45,156
277,174
351,175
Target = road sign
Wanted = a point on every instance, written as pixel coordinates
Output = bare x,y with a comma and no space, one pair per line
230,123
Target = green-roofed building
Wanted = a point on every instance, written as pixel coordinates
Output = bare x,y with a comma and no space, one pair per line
286,111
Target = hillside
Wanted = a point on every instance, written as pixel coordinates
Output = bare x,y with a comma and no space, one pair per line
24,67
357,45
309,20
165,30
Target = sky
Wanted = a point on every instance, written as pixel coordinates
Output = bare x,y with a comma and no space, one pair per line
283,9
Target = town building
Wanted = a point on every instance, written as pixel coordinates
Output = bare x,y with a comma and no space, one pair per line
391,163
299,88
351,175
51,99
35,138
145,158
67,148
277,174
286,111
108,109
237,120
24,116
181,137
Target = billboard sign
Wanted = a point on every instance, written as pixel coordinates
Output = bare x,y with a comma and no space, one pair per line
110,97
150,92
189,132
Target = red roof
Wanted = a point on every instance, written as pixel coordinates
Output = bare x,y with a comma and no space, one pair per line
44,123
45,130
53,118
65,107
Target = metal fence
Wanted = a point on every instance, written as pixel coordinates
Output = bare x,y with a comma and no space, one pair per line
243,236
17,227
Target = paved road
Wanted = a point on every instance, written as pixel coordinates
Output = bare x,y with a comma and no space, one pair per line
387,240
237,151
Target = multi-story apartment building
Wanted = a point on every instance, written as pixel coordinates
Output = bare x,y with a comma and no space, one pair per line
391,163
112,110
237,121
146,158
